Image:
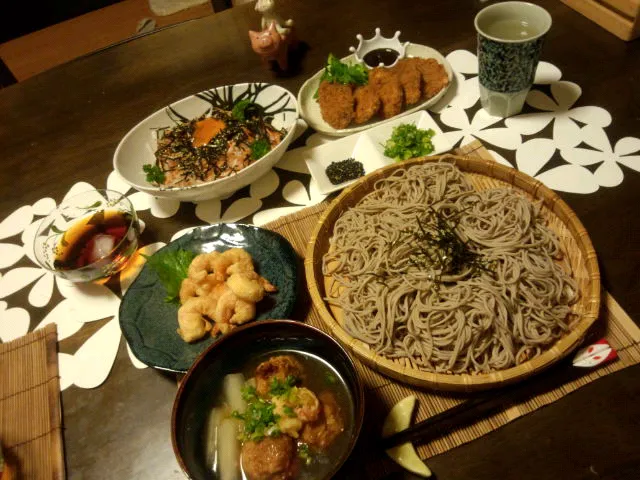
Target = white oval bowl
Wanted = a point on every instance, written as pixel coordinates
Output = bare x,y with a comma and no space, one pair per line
138,146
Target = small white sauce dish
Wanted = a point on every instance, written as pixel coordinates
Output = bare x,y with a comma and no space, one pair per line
378,42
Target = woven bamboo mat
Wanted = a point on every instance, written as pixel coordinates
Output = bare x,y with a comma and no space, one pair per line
30,417
614,325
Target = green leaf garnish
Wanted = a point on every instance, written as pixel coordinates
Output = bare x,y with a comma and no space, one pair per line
337,71
282,387
331,378
154,173
304,453
260,148
171,268
246,109
408,141
239,108
259,419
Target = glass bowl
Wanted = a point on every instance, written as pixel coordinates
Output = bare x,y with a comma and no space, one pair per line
89,236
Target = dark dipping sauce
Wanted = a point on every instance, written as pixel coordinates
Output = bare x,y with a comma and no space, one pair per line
386,56
77,245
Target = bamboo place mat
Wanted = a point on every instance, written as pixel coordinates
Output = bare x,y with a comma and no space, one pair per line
614,325
30,417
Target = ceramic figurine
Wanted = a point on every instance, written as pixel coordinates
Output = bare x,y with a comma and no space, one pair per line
269,16
271,45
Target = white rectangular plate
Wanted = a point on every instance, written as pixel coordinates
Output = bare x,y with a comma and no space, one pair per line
366,147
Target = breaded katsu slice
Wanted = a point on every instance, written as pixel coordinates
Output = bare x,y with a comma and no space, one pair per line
389,90
367,103
336,104
410,78
433,74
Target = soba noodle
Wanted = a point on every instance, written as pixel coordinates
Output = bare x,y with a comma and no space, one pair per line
510,300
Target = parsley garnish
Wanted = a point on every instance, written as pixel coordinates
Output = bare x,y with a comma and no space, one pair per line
259,419
239,108
330,378
304,453
408,141
260,148
279,388
154,173
246,109
337,71
171,268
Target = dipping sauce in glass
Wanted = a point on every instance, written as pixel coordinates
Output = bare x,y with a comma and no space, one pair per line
386,56
92,238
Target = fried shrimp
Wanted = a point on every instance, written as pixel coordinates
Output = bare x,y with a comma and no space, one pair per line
191,318
220,287
234,310
246,286
231,261
202,265
187,290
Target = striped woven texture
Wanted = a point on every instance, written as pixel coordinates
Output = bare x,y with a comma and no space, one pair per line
614,325
30,415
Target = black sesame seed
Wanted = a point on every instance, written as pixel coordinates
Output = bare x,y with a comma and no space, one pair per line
344,170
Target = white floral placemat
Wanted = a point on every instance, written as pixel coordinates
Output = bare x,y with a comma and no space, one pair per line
556,140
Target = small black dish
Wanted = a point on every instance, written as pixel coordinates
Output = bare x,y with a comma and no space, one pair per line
203,382
149,323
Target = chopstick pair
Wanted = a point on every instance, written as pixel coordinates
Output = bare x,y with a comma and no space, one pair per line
488,403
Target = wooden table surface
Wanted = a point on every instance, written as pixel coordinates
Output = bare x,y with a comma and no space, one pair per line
62,127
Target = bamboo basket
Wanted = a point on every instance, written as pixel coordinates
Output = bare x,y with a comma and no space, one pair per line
580,257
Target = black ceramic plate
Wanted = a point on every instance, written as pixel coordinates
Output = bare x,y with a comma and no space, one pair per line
149,323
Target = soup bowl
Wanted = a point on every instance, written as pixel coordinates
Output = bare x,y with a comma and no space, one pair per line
246,346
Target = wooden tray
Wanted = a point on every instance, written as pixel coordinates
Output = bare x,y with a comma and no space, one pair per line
483,174
620,17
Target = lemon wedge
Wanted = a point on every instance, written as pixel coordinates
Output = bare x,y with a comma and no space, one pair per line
399,418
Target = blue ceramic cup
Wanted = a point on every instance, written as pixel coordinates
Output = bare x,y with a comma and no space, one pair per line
510,37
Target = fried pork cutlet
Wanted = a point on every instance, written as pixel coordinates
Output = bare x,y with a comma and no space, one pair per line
433,74
367,103
410,79
389,90
336,104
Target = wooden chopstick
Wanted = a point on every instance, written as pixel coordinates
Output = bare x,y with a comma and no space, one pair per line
485,404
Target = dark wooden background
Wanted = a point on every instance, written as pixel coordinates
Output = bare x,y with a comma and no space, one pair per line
62,127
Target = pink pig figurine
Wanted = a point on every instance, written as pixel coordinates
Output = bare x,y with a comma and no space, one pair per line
271,45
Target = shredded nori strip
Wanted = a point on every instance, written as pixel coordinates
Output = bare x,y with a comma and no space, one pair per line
344,170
